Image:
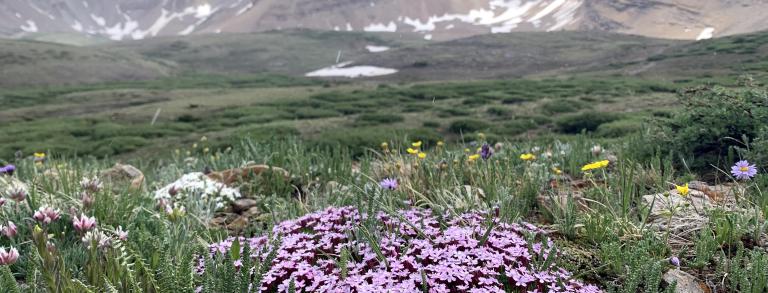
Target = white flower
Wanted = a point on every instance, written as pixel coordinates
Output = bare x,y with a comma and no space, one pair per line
198,183
96,237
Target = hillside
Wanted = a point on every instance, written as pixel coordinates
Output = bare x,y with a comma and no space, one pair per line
292,52
38,63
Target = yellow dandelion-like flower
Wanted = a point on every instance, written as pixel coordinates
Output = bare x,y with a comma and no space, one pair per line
39,155
422,155
473,158
416,144
595,165
384,145
682,190
557,170
440,143
412,151
527,157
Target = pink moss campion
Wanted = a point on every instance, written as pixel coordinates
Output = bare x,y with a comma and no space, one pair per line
415,253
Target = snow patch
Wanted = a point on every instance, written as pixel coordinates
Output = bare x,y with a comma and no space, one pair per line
77,26
380,27
376,49
340,70
99,20
706,34
203,11
41,11
245,8
565,15
187,30
30,27
121,30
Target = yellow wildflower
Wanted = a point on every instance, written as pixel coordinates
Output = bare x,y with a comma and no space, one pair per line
527,157
39,155
595,165
474,157
416,144
440,143
412,151
466,150
384,145
557,170
422,155
683,190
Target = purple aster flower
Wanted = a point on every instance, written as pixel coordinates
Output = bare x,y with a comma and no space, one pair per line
742,170
674,261
388,183
486,152
9,169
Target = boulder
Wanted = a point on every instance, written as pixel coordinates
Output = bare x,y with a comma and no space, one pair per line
243,204
691,212
121,176
686,283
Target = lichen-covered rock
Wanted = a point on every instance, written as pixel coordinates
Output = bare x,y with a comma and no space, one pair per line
686,283
690,213
122,176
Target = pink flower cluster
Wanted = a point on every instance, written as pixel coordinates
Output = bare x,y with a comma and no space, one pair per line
46,215
415,253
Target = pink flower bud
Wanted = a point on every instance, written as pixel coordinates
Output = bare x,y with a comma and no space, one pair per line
8,257
9,230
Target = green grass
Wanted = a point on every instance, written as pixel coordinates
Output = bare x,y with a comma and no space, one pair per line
114,119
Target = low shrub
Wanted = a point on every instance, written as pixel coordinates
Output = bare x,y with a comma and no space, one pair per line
714,120
587,121
379,118
561,106
467,126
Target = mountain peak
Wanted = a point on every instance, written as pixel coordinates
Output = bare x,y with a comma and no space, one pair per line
432,19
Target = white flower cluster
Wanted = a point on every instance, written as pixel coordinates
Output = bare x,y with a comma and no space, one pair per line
198,184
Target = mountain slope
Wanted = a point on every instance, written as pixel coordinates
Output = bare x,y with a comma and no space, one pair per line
431,19
30,62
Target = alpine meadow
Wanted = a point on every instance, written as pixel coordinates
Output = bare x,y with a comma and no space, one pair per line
383,146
